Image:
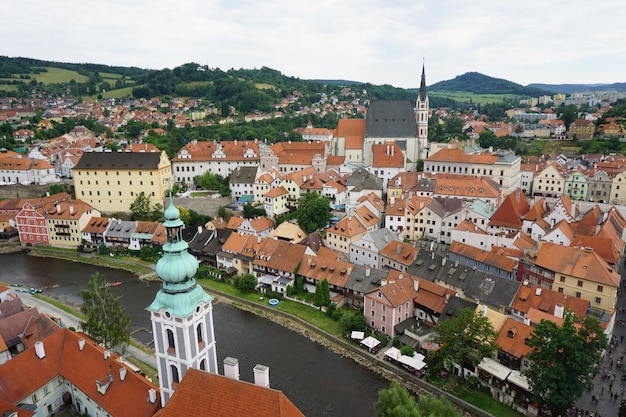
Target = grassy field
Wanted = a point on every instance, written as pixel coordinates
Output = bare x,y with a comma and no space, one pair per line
119,93
262,86
462,96
110,75
59,75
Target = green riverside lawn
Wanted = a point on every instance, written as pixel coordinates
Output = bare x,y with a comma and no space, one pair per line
309,314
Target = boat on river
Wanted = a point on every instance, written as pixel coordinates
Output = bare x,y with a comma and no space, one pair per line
114,284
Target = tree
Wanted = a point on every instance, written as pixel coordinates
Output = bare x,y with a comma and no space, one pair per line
322,293
246,283
396,401
431,406
468,336
140,208
107,322
353,320
563,360
313,212
184,214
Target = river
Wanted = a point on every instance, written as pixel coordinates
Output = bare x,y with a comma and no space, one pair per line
319,382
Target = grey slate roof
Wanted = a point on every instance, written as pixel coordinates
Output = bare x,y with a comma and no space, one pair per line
382,237
455,304
120,230
487,288
361,179
243,175
358,282
119,161
390,119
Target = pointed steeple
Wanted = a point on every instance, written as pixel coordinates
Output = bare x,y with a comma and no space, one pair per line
422,94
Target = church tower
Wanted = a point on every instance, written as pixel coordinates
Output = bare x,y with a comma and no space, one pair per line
421,117
181,313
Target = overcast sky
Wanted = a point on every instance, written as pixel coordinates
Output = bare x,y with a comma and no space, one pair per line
382,42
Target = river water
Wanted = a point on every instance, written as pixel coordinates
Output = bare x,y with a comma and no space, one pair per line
318,381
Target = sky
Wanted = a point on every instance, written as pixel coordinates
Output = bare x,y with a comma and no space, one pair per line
381,42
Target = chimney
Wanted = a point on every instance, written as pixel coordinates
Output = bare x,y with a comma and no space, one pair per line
71,209
122,373
152,395
367,270
483,311
199,229
231,368
262,376
81,343
39,350
58,208
416,285
107,354
47,193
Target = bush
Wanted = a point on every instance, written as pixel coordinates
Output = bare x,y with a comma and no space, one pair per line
383,338
332,307
245,283
275,294
353,320
407,350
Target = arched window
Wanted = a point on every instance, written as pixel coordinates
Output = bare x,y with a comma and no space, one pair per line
170,339
199,333
203,365
175,377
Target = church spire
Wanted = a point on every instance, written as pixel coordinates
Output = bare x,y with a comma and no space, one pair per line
422,94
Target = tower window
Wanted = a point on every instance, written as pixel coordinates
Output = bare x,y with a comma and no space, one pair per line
199,333
175,377
170,340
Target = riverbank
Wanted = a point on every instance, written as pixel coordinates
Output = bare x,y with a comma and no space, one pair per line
304,327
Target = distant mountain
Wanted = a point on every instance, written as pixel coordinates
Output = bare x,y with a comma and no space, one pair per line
477,83
577,88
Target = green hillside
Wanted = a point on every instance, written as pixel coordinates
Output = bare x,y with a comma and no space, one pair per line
474,82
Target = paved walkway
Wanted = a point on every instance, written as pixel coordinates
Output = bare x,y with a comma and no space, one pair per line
609,389
69,320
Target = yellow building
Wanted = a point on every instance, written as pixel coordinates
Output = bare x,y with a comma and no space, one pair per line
66,221
581,273
348,230
111,181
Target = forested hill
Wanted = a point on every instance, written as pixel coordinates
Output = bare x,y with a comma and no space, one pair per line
477,83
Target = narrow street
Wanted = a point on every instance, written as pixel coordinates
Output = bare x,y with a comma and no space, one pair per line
609,384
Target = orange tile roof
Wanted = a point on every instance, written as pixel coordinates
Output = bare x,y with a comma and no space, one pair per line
511,211
577,262
279,255
512,338
530,296
366,216
466,186
489,258
202,394
349,226
203,151
26,373
457,155
234,223
353,130
336,272
276,192
96,225
68,210
433,296
387,155
400,252
298,153
398,291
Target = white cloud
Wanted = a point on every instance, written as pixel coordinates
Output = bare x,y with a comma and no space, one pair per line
370,40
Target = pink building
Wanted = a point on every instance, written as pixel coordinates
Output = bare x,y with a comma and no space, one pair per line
31,226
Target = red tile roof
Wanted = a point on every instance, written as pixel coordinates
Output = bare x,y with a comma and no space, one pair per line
202,394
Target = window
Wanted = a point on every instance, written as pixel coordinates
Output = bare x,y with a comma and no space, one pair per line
199,333
580,283
598,300
373,313
562,278
600,288
578,295
175,377
373,303
34,398
170,339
